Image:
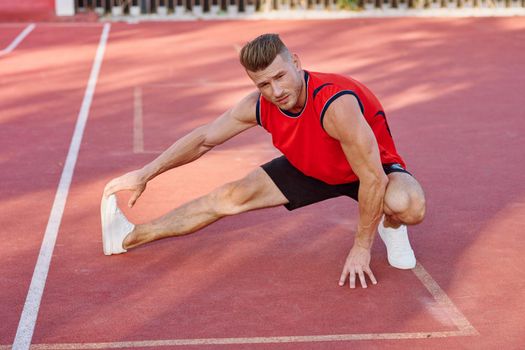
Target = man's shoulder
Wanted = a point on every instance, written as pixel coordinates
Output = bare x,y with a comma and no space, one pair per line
244,110
325,85
320,78
249,101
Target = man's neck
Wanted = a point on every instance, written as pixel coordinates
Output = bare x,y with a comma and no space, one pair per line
301,101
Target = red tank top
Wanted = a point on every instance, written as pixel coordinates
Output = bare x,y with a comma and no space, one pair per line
304,142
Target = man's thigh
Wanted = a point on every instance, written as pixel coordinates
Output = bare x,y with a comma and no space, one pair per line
299,189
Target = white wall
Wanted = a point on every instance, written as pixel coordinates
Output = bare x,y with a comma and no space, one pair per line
65,7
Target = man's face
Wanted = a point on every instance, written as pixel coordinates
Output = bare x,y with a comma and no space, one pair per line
281,82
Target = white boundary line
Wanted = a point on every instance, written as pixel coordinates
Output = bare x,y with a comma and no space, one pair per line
253,340
459,320
26,327
444,301
18,39
138,125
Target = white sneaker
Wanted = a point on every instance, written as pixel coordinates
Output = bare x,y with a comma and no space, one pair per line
400,253
115,226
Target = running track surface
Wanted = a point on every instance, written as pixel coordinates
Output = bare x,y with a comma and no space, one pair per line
453,93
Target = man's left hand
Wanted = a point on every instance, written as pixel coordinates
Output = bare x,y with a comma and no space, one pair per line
357,263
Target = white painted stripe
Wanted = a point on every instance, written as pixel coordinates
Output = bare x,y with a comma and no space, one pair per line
26,327
444,301
464,329
18,39
253,340
138,124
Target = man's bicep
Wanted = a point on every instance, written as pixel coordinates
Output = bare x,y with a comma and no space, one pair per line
232,122
345,122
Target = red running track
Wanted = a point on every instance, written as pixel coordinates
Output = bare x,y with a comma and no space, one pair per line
451,89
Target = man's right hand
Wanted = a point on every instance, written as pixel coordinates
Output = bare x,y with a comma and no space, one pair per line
133,181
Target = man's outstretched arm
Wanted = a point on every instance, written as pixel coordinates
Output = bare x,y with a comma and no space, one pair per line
189,148
345,122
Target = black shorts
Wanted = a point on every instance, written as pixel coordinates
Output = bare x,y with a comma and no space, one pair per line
302,190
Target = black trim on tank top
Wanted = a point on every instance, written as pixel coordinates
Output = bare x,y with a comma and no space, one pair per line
295,115
316,91
382,113
258,110
334,97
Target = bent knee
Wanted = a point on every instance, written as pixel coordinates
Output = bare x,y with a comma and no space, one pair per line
416,212
232,198
408,207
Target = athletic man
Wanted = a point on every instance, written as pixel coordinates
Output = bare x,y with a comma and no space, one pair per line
335,141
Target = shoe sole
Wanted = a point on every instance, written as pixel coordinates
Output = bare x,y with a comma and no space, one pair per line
106,207
402,267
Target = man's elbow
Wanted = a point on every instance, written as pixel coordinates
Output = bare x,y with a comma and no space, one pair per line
201,134
201,137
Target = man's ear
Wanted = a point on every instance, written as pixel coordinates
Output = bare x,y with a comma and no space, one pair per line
296,61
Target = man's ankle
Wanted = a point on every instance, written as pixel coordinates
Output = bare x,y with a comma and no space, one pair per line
389,221
128,240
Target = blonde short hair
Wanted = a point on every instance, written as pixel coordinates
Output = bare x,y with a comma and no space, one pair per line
259,53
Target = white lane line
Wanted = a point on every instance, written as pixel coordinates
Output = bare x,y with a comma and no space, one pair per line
26,327
444,301
138,124
253,340
464,329
459,320
18,39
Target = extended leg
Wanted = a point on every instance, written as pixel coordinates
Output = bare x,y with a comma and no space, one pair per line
254,191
